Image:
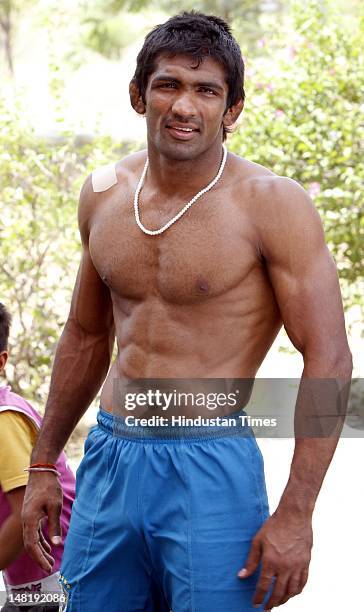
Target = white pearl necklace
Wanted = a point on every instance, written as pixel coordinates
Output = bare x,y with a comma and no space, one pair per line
181,212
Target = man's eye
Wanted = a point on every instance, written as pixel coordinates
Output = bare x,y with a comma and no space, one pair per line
168,85
207,90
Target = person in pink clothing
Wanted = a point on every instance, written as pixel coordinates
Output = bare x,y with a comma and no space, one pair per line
26,583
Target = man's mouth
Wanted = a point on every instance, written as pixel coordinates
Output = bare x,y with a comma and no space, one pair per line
181,132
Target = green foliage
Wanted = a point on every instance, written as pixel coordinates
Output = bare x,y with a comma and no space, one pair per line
107,28
304,120
40,251
227,9
105,22
107,36
242,15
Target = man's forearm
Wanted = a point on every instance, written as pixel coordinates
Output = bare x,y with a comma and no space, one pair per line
319,416
311,459
80,366
11,540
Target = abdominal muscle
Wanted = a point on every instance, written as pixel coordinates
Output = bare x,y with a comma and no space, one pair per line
181,356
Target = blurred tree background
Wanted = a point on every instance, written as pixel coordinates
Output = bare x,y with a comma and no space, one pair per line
40,250
303,119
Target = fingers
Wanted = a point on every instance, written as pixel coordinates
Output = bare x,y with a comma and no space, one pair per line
44,543
263,586
252,560
46,554
43,499
296,585
287,587
279,592
54,522
33,544
304,577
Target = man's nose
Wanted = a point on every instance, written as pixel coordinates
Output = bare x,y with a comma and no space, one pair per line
184,105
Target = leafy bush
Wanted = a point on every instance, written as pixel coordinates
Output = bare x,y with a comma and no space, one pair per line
304,120
39,182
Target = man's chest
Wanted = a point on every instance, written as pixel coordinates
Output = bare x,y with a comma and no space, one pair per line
207,252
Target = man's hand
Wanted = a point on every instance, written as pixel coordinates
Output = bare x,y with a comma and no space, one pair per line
283,545
43,498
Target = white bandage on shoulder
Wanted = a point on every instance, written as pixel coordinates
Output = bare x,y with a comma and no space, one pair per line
103,178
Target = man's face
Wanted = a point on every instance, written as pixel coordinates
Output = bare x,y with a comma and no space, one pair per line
185,106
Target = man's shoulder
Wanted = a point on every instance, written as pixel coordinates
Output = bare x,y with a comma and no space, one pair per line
279,207
284,202
105,182
262,179
271,192
249,170
285,217
106,176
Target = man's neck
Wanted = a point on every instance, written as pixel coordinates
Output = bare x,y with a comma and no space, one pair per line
172,176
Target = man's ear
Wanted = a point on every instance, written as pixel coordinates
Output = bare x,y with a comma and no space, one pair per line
3,359
136,99
233,113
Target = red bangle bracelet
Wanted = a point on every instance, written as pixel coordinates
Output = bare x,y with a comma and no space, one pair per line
44,465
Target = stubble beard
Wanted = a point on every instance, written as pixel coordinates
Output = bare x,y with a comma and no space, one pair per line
178,151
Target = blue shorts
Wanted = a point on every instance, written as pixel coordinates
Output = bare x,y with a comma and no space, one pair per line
162,521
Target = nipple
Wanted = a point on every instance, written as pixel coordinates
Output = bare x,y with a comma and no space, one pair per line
202,285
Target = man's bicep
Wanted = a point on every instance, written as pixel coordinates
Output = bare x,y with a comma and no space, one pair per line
305,280
91,306
309,301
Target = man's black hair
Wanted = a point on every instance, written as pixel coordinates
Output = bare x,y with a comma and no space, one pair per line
5,320
198,36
